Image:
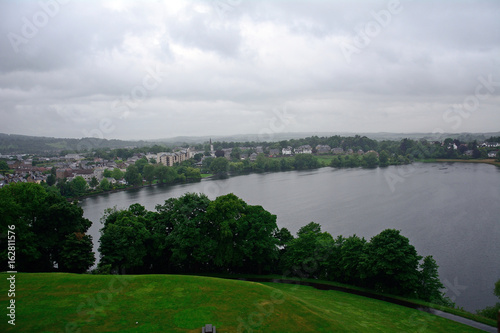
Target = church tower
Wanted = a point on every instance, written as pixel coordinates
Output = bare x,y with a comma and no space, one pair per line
212,153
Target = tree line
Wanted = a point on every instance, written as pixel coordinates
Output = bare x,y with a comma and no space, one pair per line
194,235
50,232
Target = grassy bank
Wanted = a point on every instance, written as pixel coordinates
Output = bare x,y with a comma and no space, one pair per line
206,175
57,302
355,290
457,160
487,161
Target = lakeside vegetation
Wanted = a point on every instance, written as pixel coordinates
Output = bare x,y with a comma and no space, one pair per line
351,152
170,303
486,161
195,235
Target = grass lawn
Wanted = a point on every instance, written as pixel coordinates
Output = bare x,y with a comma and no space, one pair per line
206,175
325,160
59,302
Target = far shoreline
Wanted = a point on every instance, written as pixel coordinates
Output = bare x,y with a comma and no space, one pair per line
456,160
439,160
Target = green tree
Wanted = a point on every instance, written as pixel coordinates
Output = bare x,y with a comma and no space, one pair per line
94,182
192,173
243,234
352,252
236,153
191,249
370,160
256,245
219,166
20,205
4,167
384,158
336,162
351,161
132,175
165,174
51,180
65,188
105,185
207,161
222,214
42,221
149,173
305,161
77,255
107,173
286,164
261,162
141,163
117,174
123,239
197,157
429,284
308,255
391,264
79,186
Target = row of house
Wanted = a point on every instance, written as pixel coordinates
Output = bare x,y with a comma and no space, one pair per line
305,149
320,149
33,176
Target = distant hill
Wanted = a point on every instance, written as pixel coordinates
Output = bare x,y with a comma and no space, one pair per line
25,144
299,135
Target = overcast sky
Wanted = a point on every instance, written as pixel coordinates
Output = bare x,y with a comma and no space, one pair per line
158,69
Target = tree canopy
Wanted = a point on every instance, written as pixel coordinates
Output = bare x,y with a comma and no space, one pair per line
46,226
193,234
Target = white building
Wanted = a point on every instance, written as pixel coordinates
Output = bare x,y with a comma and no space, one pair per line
287,151
306,149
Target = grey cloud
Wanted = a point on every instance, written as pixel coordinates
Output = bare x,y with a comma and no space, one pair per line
221,72
206,32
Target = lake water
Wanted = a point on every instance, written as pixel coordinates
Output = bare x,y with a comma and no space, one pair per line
450,211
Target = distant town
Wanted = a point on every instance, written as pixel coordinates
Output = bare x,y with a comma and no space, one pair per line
105,168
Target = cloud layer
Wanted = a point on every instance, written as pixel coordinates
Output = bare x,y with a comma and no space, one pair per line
154,69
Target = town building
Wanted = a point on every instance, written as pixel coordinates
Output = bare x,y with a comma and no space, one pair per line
323,149
338,151
169,159
287,151
305,149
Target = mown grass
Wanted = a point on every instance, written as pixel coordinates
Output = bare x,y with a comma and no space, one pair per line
417,302
325,160
206,175
58,302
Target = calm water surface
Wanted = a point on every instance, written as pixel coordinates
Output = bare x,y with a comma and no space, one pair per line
450,211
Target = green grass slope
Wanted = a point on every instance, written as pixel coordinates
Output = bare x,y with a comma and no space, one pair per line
168,303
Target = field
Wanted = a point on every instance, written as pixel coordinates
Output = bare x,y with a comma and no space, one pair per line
58,302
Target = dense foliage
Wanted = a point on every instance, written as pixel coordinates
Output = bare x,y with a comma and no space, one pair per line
49,231
193,235
190,234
